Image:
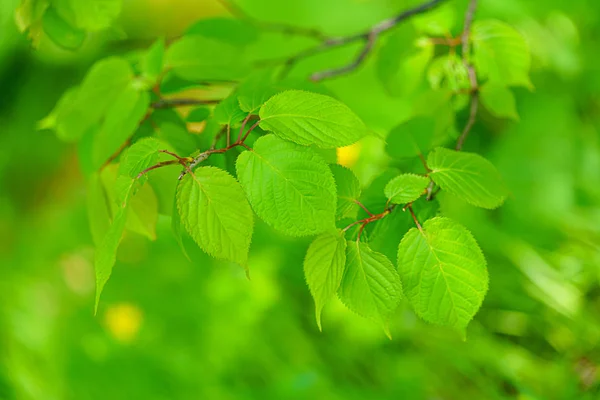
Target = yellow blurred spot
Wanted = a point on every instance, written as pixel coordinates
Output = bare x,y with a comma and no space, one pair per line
348,155
123,321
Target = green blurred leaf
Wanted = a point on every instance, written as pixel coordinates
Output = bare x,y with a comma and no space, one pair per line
141,155
61,32
411,138
443,272
324,268
289,186
468,176
501,54
230,31
311,119
499,100
198,114
90,15
153,60
228,111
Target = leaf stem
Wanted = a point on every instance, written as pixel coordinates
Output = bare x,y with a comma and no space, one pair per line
412,213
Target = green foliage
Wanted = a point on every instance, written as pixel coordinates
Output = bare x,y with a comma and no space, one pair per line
501,53
371,286
311,119
499,100
406,188
443,272
411,138
348,191
289,186
324,268
468,176
216,214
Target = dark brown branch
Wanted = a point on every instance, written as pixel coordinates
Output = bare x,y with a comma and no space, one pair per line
171,103
369,38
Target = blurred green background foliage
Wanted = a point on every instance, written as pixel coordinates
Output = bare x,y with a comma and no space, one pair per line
168,328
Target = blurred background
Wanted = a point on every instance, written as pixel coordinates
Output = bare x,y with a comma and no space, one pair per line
168,328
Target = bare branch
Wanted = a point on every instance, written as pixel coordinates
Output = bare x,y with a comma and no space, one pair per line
171,103
369,38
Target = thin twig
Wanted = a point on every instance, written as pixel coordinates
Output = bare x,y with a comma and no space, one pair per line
466,53
159,165
409,206
171,103
369,38
361,205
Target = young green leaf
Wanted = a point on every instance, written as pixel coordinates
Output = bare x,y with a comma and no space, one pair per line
216,214
311,119
443,272
499,100
143,212
176,228
348,191
324,268
227,30
141,155
371,286
153,60
468,176
93,15
228,112
406,188
256,90
289,186
98,209
501,54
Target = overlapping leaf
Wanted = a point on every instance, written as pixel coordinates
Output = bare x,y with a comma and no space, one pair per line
406,188
468,176
324,268
348,191
289,186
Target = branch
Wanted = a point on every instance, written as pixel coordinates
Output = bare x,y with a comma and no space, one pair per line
171,103
466,52
369,38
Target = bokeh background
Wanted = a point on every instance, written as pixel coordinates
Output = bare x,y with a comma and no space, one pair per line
168,328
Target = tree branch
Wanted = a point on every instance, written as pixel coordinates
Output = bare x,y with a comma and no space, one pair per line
369,38
466,55
171,103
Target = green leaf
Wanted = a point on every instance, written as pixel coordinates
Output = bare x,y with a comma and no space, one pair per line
198,58
311,119
98,209
371,286
227,30
348,191
176,228
61,32
84,107
143,212
501,53
406,188
216,214
324,268
468,176
411,138
449,72
499,100
289,186
228,112
443,272
198,114
91,15
153,60
256,90
121,121
106,252
141,155
385,235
